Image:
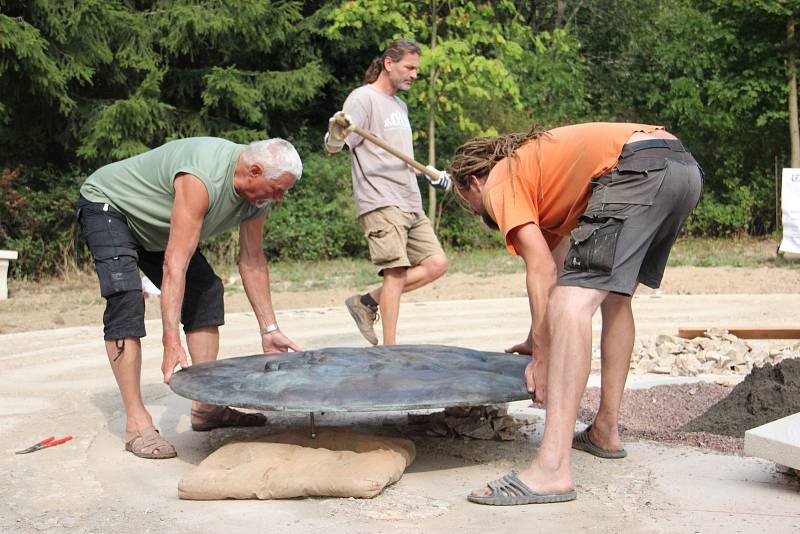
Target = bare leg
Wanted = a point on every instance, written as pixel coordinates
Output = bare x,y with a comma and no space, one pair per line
616,345
127,368
570,313
420,275
203,345
393,282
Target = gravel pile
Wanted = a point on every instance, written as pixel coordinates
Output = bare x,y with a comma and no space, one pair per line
766,394
660,412
716,352
706,415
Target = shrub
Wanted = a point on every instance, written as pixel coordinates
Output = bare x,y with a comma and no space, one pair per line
731,216
37,218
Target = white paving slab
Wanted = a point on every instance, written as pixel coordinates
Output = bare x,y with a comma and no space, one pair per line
778,441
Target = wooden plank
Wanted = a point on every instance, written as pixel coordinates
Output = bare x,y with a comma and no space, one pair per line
744,332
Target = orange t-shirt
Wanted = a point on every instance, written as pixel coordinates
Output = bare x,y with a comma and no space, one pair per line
551,176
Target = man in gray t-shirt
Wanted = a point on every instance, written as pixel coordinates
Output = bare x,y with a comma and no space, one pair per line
401,240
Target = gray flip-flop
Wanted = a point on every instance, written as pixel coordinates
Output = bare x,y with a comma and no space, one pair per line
581,442
510,491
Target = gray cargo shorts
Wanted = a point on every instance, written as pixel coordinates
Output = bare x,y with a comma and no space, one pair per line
633,218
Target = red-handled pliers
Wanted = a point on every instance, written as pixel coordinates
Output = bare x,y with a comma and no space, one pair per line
49,442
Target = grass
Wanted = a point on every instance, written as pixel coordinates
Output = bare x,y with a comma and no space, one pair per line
700,252
346,272
731,252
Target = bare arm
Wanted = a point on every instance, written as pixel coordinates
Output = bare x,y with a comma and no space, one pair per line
188,211
540,279
255,278
558,254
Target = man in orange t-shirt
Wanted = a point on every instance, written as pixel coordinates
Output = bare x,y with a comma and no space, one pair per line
621,192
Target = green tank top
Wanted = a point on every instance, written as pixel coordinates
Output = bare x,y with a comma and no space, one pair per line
141,188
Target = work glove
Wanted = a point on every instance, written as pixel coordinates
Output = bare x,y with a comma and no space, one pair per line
443,183
339,126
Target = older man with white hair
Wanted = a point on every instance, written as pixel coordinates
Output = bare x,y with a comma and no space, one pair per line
150,212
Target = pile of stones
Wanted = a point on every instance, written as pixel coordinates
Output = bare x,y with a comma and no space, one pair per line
716,352
475,422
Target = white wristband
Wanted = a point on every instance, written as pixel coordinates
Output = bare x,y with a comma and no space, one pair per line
270,328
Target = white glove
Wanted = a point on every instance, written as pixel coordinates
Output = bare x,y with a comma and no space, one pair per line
339,126
444,182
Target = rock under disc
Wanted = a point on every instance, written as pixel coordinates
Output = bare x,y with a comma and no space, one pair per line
354,379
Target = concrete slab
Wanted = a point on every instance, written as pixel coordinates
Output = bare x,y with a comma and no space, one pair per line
778,441
57,382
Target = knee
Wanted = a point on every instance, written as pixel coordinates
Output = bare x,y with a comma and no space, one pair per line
615,303
572,303
437,265
395,274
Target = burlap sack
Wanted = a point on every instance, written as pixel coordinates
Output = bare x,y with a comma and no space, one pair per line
337,463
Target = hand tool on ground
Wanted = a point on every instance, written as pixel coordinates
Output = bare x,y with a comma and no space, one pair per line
49,442
437,177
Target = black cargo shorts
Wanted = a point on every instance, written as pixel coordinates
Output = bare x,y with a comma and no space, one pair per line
117,259
633,218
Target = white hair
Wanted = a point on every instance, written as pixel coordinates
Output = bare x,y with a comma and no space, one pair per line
277,155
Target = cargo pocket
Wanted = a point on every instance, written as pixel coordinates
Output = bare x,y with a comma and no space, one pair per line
118,274
384,245
594,244
115,258
635,180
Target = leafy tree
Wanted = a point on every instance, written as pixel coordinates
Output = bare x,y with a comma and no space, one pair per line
127,76
465,67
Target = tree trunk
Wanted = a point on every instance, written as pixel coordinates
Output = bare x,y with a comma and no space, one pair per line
432,119
791,68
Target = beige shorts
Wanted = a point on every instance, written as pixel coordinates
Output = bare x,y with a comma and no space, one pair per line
397,238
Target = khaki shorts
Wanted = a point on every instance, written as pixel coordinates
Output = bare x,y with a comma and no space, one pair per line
397,238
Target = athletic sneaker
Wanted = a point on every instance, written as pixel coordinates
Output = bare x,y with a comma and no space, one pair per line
364,316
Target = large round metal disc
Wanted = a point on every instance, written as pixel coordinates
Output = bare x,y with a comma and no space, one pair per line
351,379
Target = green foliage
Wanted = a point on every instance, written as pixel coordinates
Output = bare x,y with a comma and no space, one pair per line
460,230
38,221
86,82
466,70
122,77
317,219
730,217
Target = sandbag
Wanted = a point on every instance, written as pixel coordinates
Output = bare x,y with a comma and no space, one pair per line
337,463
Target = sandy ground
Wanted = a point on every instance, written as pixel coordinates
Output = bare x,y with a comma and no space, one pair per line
77,301
54,380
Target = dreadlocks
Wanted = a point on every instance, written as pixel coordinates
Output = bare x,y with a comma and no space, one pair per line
477,156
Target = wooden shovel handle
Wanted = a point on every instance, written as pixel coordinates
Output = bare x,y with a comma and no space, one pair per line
393,151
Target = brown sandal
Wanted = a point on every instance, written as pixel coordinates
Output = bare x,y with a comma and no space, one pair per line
226,418
148,443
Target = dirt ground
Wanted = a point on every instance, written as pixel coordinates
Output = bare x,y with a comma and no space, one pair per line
76,302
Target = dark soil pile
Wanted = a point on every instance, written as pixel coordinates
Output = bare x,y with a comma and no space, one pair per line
659,412
766,394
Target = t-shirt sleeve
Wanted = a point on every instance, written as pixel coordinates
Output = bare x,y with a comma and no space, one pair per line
510,200
356,106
